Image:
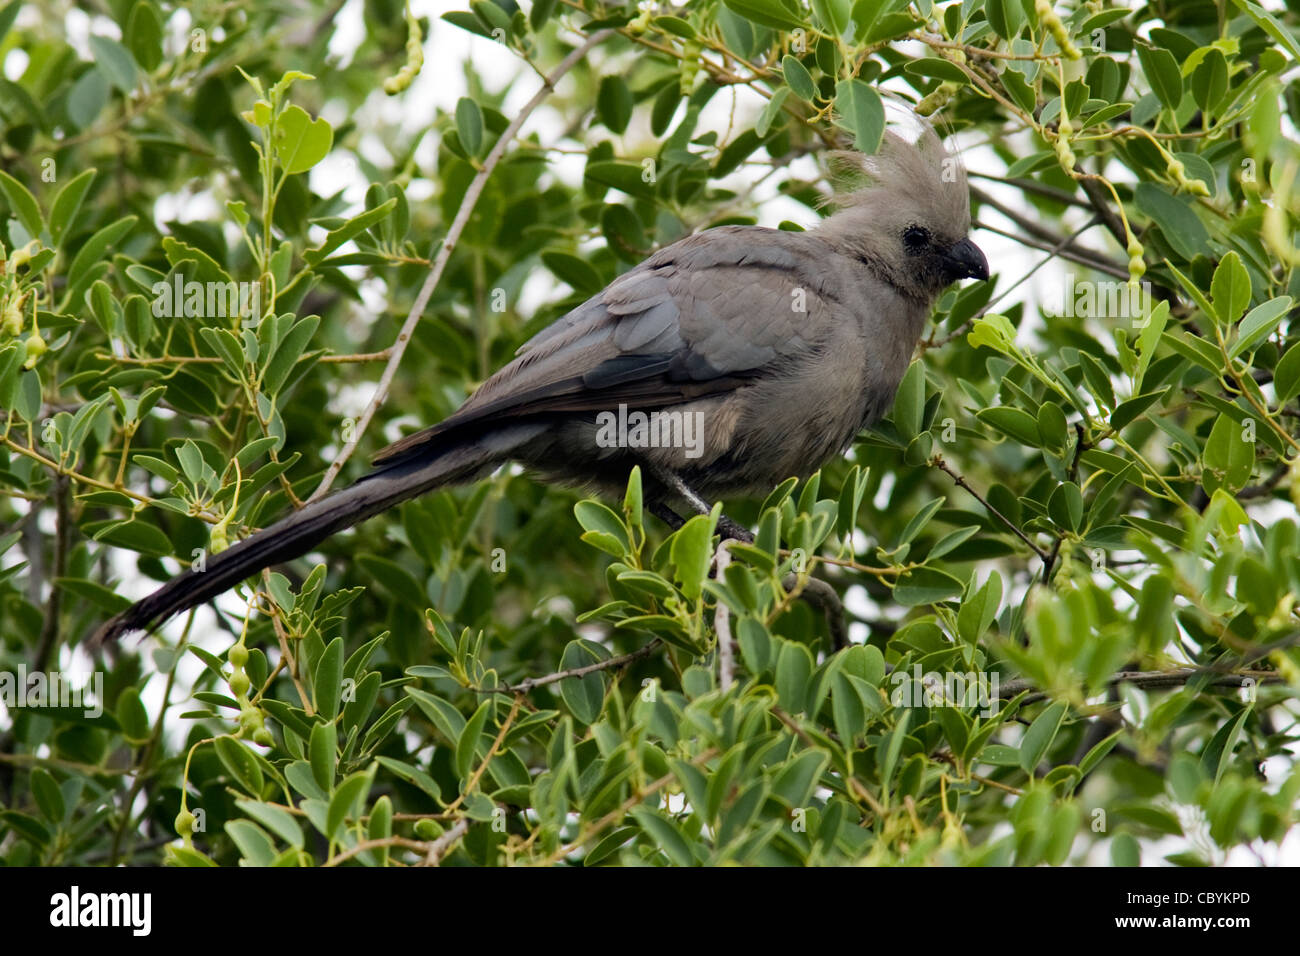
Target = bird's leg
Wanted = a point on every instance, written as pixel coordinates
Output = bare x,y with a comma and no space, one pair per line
666,514
730,529
816,592
823,597
726,527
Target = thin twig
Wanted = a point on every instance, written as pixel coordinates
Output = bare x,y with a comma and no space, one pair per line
444,256
440,846
961,482
1170,678
533,682
492,752
722,623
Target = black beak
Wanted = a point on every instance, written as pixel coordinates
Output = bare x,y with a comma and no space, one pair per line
964,260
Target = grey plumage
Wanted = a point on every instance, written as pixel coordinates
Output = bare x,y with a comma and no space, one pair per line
785,344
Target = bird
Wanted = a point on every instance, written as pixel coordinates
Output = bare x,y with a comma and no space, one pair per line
774,347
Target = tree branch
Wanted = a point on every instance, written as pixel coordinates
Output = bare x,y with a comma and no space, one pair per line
458,224
961,482
534,682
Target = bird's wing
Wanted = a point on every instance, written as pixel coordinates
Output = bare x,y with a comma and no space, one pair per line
699,317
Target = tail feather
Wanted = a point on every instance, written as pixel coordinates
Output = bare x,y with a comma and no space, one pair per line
304,529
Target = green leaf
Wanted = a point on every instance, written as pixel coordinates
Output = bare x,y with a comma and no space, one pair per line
240,763
614,103
327,682
795,782
861,112
794,667
254,845
132,716
909,402
1228,458
1230,289
144,35
626,177
322,750
8,15
67,201
916,524
80,274
301,142
1162,71
380,827
778,14
894,748
1286,377
937,68
226,347
771,112
287,354
276,819
48,797
665,835
609,532
691,552
798,78
1259,323
1007,17
1012,422
1269,25
467,744
1180,226
23,204
469,125
576,272
1038,738
833,15
676,26
926,586
585,695
1066,507
350,792
134,534
1210,80
87,98
353,227
94,594
1217,756
116,62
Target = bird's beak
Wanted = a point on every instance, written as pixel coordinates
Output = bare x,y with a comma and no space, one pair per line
964,260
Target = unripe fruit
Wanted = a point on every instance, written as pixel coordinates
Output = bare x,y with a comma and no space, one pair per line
13,318
35,348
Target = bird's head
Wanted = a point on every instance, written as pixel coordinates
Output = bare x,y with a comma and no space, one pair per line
909,220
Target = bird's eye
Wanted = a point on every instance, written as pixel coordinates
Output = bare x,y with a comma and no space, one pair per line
916,237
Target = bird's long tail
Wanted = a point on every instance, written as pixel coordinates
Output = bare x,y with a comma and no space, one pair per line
309,526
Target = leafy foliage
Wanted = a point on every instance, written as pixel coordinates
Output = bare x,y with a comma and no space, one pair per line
1070,555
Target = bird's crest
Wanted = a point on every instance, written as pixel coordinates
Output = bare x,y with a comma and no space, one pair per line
922,173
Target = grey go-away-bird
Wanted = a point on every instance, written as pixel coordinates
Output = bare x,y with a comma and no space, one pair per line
781,345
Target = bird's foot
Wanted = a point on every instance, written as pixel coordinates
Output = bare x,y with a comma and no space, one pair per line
730,530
